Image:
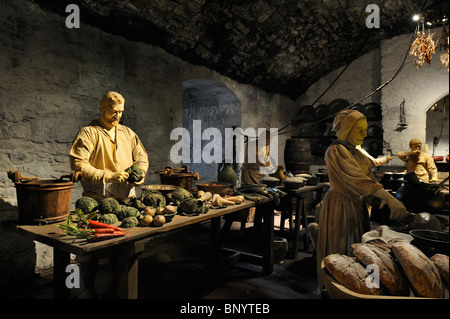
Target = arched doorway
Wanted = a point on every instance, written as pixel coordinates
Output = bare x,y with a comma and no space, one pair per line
437,127
211,105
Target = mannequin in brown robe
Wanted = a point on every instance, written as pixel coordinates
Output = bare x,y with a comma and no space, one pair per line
343,216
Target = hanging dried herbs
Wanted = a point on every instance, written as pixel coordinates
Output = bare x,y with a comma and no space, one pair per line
422,49
423,46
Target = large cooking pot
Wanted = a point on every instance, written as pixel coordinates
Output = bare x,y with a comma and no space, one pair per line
42,201
178,176
420,197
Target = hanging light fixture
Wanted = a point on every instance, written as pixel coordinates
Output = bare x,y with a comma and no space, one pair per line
402,125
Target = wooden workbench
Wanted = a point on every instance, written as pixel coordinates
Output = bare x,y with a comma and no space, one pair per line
125,250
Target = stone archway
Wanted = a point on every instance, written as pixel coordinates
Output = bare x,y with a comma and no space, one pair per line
437,125
216,106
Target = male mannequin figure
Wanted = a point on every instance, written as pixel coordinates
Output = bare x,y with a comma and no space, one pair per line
104,149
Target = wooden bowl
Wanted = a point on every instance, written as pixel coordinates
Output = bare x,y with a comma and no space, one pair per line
211,186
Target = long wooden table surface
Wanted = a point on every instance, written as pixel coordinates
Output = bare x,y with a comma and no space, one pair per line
54,236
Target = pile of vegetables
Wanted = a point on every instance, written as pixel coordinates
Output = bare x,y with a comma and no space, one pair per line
88,228
258,192
130,213
98,220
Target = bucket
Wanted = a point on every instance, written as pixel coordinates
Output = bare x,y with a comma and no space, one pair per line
42,201
297,155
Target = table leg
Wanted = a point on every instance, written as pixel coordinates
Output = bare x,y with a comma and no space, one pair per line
304,222
125,268
298,205
61,260
286,212
216,233
267,210
88,271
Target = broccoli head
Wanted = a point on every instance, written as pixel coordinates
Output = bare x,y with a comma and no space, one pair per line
86,204
108,219
136,174
109,206
191,206
129,222
128,211
154,199
179,194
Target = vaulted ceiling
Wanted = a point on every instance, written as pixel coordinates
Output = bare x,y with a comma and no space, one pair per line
282,46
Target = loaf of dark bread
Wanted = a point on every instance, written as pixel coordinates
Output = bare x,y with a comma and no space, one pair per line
441,263
390,274
349,273
422,274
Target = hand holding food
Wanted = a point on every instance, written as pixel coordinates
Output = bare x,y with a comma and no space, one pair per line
116,177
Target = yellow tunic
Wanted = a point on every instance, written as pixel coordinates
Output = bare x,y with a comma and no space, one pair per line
94,152
343,217
423,165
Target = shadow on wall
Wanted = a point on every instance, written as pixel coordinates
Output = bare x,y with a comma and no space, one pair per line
17,258
216,106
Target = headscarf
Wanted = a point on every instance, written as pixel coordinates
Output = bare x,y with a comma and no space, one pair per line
344,121
111,98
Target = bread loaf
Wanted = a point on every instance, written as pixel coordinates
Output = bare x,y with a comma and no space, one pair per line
441,263
391,277
349,273
421,271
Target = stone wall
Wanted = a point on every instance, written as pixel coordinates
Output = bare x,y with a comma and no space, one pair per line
420,89
52,80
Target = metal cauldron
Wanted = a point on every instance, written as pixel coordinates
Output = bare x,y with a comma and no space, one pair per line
421,197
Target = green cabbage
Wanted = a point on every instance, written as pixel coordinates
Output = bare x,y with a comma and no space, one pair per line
86,204
154,199
129,222
108,219
136,174
128,211
109,206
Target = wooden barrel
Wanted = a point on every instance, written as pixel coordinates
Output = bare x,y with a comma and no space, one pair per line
297,155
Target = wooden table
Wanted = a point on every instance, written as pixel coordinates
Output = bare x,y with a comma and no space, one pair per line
126,250
301,217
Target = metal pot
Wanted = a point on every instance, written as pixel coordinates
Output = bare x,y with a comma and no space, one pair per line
430,242
178,176
421,197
